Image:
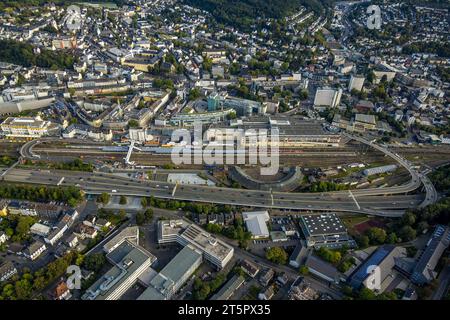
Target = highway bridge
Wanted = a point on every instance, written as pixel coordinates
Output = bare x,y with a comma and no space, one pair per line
388,201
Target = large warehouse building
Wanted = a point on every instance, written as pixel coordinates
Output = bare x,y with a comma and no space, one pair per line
325,230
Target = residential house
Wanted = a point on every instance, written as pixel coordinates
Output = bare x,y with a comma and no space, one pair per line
3,237
62,292
34,250
267,294
7,270
72,241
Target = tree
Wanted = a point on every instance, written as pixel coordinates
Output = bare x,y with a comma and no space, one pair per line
303,94
331,256
123,200
133,123
366,294
371,76
408,219
407,233
376,235
104,198
363,241
94,262
277,255
194,94
144,202
148,214
140,218
392,238
213,228
304,270
122,214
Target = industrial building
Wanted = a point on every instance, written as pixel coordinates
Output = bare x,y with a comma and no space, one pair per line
322,269
256,223
379,170
173,275
325,230
130,262
380,263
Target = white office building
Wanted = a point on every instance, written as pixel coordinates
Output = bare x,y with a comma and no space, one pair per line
214,250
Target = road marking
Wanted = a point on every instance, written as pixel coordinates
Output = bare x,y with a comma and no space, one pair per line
10,168
60,181
354,199
174,189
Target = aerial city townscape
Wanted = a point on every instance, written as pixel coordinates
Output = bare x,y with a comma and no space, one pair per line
224,150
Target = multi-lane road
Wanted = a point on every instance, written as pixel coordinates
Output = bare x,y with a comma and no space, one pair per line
97,183
388,201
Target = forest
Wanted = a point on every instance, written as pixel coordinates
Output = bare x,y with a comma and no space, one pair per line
23,54
244,13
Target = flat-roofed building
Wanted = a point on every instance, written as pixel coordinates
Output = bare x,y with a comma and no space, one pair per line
424,272
167,282
256,223
26,127
128,234
130,262
379,170
229,288
325,230
327,97
363,122
356,82
214,250
40,229
322,269
291,131
169,230
377,271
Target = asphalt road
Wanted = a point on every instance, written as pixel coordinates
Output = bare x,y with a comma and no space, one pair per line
389,201
374,201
